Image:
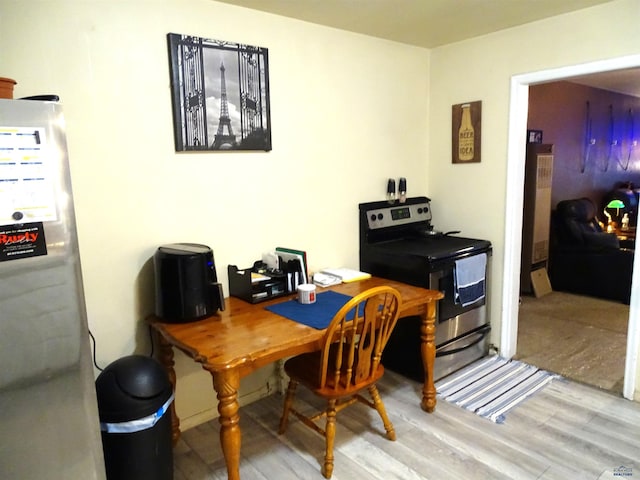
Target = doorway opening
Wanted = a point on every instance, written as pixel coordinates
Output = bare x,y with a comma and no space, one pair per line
513,226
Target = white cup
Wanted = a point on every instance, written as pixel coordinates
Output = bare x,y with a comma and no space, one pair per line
306,293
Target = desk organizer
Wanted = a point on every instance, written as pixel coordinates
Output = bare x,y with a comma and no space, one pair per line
243,286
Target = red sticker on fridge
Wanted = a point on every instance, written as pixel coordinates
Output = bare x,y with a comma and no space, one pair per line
22,241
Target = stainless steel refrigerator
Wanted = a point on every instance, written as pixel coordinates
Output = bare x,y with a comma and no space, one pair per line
49,425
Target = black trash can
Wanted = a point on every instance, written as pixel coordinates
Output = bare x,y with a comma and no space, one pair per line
134,394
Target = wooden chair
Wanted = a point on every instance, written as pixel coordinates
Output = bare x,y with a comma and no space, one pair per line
348,362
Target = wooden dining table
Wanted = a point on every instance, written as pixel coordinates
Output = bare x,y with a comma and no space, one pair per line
244,337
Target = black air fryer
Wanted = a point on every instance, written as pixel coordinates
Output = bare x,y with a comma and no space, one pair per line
187,287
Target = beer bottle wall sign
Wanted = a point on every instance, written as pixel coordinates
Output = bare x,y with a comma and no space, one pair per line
465,133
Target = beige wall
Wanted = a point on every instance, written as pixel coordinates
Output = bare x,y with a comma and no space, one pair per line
472,197
348,111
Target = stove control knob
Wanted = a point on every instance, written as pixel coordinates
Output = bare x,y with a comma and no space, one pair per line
380,216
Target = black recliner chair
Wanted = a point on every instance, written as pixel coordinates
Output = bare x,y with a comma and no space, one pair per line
584,259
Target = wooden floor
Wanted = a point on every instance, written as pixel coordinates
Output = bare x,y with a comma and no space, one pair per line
567,431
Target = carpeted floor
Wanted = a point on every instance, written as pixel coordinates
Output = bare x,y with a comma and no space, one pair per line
580,338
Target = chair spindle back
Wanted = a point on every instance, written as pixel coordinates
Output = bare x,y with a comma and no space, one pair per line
356,337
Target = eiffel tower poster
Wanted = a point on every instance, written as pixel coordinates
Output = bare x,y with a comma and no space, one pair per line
220,95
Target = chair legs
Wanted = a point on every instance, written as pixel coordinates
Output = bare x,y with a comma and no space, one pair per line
379,406
330,435
330,413
288,402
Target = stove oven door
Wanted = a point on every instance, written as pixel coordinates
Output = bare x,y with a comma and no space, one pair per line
461,351
454,320
462,333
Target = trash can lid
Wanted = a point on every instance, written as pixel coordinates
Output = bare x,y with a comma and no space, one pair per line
130,388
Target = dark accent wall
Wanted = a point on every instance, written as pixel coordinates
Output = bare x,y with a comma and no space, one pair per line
559,109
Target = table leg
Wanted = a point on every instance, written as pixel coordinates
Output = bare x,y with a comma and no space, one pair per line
226,384
166,358
428,350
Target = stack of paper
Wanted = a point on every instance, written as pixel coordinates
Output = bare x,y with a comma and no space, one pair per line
323,279
346,274
258,277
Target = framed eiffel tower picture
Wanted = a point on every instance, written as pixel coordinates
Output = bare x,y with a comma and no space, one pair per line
220,95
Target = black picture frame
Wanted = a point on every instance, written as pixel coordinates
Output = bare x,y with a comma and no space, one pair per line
534,136
220,95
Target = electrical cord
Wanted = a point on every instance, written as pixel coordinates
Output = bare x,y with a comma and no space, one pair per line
93,339
150,340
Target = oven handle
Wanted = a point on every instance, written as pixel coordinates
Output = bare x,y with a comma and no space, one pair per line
482,333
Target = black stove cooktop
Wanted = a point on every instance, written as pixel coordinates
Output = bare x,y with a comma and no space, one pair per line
432,249
405,230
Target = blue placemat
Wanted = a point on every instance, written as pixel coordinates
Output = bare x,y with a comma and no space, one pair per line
317,315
